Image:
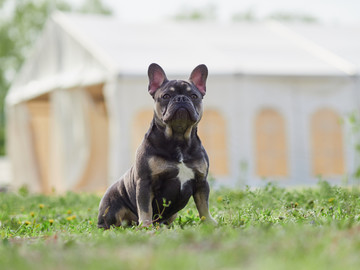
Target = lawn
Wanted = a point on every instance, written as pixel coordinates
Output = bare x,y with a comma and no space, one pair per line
267,228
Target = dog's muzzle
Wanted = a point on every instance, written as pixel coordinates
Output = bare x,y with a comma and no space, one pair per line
181,107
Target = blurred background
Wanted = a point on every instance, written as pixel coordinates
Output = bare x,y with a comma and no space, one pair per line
282,102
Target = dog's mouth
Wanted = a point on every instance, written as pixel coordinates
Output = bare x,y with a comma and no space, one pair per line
181,120
183,115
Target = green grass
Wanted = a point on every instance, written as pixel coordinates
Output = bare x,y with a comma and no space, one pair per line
268,228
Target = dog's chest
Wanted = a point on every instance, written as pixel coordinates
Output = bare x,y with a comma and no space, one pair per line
162,169
185,173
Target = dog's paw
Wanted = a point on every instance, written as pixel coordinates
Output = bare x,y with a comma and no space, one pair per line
145,223
209,220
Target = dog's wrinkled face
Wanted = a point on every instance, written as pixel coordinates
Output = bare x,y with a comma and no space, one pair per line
178,103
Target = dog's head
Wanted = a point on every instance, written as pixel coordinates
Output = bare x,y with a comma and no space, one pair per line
178,103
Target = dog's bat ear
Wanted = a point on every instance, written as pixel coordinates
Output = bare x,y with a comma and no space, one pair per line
156,78
198,78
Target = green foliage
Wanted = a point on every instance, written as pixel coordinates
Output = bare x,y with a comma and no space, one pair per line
18,31
205,13
250,16
293,17
268,228
209,13
94,6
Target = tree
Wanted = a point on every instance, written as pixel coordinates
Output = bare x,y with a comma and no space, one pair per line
20,26
205,13
251,16
244,16
293,17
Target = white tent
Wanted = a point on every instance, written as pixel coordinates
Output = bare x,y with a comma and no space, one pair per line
79,105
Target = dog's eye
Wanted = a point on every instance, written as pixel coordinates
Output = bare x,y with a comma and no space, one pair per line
166,96
193,96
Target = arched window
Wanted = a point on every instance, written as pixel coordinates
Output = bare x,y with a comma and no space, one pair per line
212,132
327,143
271,144
140,126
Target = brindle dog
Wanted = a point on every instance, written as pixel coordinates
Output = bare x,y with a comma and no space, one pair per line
171,163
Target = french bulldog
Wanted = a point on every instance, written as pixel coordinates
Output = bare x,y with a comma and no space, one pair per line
171,165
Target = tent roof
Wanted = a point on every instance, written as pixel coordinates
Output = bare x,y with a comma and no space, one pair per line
81,49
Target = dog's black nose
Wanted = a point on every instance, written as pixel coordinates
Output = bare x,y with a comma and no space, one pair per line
182,98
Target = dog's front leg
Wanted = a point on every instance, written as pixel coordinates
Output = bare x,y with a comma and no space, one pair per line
201,198
144,197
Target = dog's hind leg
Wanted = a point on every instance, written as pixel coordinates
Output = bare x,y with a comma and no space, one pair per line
124,217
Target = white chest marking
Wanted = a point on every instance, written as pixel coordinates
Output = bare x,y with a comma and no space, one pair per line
185,173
